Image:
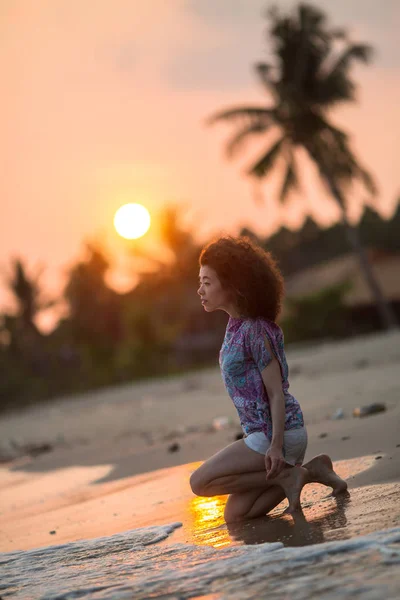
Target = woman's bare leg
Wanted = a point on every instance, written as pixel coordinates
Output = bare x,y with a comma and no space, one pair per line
257,503
291,480
238,469
321,470
253,504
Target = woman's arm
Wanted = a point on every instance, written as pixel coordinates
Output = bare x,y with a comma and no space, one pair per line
272,378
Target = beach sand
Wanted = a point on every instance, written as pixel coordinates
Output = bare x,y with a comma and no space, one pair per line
121,458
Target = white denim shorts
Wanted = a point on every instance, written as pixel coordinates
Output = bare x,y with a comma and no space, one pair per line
294,444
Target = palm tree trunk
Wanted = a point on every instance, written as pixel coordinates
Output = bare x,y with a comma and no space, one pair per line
385,310
386,313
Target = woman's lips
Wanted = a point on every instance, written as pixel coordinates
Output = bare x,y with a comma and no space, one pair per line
204,301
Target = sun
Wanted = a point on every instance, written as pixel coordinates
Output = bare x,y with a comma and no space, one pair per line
132,221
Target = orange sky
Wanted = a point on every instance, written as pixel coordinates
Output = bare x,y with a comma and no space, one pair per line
104,103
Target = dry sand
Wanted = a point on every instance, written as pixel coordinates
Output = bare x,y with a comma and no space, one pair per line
111,469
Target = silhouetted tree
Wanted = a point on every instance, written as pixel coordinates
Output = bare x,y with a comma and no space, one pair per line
95,319
393,233
27,292
171,290
29,300
308,79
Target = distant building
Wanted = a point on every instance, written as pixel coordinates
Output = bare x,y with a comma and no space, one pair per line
362,314
386,268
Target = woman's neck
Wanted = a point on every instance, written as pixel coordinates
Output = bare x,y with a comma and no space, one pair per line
234,313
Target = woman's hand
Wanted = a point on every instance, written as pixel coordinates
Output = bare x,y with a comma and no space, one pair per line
274,462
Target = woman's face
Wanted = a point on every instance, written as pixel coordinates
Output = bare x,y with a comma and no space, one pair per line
212,294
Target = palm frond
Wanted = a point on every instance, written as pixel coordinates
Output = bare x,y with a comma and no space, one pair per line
339,34
310,18
291,180
236,143
338,166
344,164
335,139
360,52
263,71
335,85
339,134
368,181
266,163
244,113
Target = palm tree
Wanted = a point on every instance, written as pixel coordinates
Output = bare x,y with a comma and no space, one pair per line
27,292
94,308
20,329
309,77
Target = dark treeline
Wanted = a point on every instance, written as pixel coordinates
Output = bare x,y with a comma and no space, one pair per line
311,245
159,327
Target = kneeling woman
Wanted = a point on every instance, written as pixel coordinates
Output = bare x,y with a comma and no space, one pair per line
267,464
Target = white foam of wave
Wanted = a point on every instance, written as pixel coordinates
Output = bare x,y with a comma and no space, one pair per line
132,565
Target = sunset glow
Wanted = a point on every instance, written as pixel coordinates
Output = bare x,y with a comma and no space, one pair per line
78,127
132,221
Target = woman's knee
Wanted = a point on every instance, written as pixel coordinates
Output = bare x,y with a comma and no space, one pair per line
231,515
198,483
235,511
204,484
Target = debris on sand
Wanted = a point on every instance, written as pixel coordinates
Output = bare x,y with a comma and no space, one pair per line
174,447
363,363
339,414
369,409
11,450
221,423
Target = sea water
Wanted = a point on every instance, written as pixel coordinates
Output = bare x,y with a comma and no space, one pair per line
135,565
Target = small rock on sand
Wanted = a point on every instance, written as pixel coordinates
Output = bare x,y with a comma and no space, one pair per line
174,447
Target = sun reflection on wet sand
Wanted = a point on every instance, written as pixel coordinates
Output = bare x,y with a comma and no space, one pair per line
324,518
206,519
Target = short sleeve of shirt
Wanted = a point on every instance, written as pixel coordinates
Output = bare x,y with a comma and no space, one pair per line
255,343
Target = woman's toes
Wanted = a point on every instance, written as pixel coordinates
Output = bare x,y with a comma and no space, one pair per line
340,488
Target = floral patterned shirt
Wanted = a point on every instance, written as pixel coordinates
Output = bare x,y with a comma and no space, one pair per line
242,357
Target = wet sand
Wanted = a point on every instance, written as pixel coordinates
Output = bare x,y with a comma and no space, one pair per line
79,503
104,477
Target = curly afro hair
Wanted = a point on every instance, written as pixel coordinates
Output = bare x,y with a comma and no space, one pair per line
250,273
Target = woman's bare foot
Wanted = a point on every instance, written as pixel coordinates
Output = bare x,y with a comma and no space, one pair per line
292,481
321,470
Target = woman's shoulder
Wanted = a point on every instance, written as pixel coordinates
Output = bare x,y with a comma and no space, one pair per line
251,328
262,324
